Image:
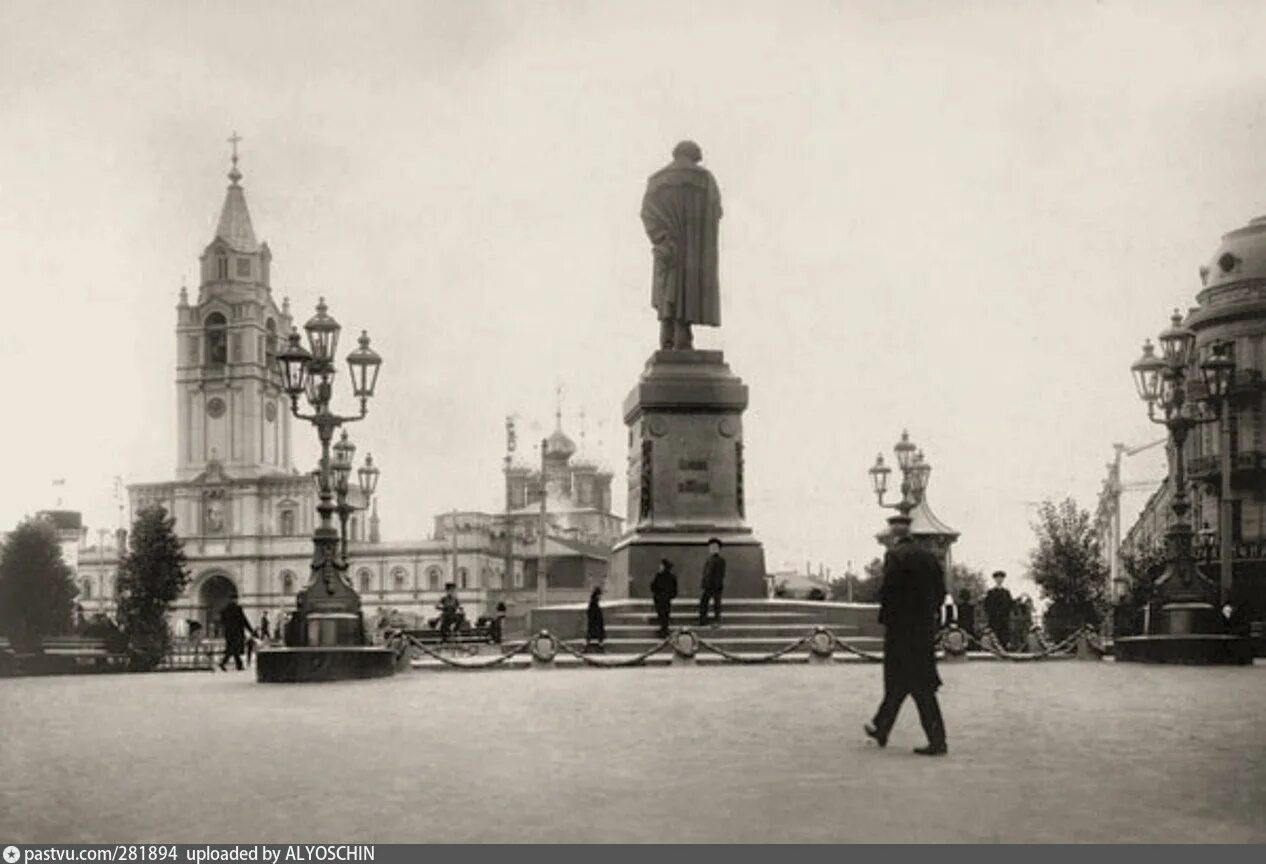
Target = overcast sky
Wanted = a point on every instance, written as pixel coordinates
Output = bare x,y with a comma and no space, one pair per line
960,218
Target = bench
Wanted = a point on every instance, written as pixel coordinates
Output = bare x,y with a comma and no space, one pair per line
471,636
62,655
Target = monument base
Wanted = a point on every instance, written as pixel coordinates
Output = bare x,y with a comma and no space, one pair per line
1189,634
635,561
338,663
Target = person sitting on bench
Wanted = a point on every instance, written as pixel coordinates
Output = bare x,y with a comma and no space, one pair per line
450,610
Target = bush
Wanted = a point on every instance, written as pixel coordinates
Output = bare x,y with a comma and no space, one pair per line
37,591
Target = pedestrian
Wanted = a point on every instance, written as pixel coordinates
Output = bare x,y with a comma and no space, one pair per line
264,632
498,622
663,590
909,602
966,612
596,631
998,604
450,610
235,626
712,584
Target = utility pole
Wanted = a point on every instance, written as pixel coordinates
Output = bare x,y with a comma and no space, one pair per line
1226,551
540,560
452,526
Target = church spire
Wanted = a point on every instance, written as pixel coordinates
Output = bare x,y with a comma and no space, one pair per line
235,220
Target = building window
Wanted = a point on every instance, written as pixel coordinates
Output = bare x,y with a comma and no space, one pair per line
287,523
221,267
518,578
353,529
462,578
366,581
433,577
270,333
217,339
287,583
87,589
398,578
244,268
485,578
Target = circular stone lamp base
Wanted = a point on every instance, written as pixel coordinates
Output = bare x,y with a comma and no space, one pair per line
334,663
1188,649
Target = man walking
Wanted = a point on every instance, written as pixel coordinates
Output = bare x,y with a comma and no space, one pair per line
909,605
663,590
713,584
235,626
998,610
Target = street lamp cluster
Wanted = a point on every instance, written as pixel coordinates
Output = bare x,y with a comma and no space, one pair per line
329,607
1164,383
915,471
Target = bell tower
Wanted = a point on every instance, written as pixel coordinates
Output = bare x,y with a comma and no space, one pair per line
231,412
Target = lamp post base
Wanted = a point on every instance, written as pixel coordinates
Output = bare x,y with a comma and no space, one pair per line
1189,634
336,663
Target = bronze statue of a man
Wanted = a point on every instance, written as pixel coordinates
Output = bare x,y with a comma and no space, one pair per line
681,211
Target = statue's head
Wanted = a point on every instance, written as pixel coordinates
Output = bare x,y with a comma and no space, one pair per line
688,150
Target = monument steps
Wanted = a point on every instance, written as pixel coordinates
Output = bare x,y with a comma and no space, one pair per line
751,626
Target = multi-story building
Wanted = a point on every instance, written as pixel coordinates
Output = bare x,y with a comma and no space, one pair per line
1230,310
246,513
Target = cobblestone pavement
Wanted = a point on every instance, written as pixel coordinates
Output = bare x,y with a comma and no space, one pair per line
1060,751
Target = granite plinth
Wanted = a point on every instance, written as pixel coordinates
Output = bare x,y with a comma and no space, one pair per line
685,480
335,663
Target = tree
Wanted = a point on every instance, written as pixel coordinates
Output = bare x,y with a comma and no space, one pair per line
37,587
865,589
1068,568
152,575
962,576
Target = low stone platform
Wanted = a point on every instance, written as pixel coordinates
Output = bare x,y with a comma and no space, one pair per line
750,626
1185,649
339,663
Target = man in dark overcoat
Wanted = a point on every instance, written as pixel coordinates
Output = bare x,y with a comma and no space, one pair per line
663,590
909,606
998,605
235,626
713,583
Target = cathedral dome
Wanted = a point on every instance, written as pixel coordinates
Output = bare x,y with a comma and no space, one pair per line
559,445
1240,258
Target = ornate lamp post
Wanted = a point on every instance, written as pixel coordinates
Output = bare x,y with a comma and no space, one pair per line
914,476
366,480
329,606
1193,628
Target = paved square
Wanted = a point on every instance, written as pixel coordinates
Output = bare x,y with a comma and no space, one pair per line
1059,751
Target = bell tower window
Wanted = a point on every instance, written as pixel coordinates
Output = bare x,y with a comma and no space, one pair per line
217,339
221,267
244,268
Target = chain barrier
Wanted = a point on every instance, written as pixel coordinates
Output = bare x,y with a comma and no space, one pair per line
865,655
635,660
1064,647
414,642
752,661
685,643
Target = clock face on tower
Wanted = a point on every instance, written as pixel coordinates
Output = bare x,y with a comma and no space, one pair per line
215,407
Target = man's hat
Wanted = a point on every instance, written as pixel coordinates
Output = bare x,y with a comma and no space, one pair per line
716,540
448,585
999,574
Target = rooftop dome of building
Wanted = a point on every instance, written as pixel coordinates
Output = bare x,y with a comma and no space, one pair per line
1240,258
559,445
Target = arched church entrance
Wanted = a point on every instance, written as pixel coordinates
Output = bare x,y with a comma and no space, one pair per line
216,591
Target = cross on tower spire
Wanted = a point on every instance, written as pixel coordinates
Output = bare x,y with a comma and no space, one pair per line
234,174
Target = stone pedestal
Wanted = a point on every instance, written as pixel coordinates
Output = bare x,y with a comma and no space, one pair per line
685,477
1187,633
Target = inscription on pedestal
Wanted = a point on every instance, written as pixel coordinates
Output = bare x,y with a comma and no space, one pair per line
696,479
